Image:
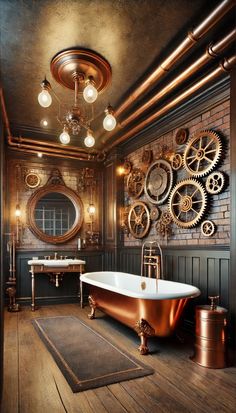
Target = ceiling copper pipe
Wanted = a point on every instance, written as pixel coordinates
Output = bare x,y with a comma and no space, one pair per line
34,151
191,38
211,52
224,66
4,113
49,144
39,148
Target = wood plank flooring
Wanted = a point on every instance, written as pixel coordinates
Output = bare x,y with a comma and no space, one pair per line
34,384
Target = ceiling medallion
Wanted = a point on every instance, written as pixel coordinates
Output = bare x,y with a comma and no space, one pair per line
88,74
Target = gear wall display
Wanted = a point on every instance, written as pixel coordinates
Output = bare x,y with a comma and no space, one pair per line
188,183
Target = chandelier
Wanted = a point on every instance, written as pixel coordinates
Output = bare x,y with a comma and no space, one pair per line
87,74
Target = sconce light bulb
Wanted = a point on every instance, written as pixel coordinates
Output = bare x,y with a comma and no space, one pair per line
91,209
109,122
90,92
89,140
120,170
44,98
17,211
64,137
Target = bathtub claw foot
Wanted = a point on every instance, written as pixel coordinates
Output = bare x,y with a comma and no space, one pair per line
92,304
144,331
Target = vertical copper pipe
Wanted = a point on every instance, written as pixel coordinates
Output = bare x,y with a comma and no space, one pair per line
211,52
226,65
184,46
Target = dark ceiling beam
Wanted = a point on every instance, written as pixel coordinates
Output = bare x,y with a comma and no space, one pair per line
189,41
225,66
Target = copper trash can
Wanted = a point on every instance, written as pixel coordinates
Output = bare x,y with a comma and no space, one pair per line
210,344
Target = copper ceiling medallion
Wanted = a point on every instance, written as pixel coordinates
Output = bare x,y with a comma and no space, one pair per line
83,63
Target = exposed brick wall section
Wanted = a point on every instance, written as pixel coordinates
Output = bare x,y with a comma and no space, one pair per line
218,209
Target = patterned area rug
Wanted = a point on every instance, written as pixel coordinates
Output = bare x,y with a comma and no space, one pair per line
86,359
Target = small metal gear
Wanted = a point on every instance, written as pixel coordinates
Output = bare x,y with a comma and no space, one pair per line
215,182
154,213
181,136
135,183
162,229
158,181
187,203
127,166
176,161
139,219
202,153
208,228
166,218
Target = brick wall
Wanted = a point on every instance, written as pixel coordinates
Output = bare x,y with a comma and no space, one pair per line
218,206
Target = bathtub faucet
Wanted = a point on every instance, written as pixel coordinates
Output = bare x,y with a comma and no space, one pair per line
151,260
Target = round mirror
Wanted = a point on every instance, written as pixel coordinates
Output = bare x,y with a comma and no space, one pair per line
55,213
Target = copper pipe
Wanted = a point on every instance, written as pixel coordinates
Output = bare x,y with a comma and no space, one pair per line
64,156
226,65
211,52
4,113
37,148
20,143
49,144
191,38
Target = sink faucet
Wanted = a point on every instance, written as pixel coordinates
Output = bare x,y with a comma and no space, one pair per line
151,260
55,255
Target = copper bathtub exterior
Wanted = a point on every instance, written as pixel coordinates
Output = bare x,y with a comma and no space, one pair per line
156,311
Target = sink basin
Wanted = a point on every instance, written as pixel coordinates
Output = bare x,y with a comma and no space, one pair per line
56,263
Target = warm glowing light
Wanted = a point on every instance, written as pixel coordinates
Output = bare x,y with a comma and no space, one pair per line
109,122
64,137
120,170
89,140
44,98
91,209
17,211
44,123
90,92
40,155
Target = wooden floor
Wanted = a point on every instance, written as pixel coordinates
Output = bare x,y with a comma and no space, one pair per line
34,384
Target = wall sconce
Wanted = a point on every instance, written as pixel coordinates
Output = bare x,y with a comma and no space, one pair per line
18,222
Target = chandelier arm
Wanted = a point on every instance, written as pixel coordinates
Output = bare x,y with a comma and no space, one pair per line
76,80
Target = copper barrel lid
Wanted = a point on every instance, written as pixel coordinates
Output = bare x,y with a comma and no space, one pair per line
211,311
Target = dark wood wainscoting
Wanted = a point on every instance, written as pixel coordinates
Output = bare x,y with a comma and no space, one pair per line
46,292
207,269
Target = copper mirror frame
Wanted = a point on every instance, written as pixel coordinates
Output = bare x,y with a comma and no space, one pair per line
72,196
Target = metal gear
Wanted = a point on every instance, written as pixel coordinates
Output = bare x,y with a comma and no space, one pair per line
215,182
162,229
158,181
127,167
154,213
139,219
166,218
181,136
176,161
187,203
208,228
202,153
135,183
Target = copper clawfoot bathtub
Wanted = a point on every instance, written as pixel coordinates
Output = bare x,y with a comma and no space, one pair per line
151,307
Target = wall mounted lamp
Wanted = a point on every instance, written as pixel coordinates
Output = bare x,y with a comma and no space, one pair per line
88,74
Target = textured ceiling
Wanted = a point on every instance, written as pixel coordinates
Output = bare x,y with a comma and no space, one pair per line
130,34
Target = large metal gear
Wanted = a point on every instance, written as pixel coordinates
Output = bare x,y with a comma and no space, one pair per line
202,153
187,203
215,182
139,219
158,181
135,183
